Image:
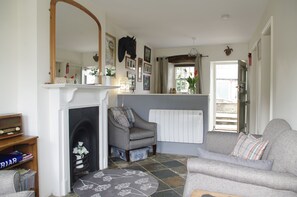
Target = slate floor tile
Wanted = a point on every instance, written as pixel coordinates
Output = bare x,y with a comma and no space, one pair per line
161,174
174,182
168,193
153,166
172,164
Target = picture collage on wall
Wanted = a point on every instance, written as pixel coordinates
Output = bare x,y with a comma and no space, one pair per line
139,70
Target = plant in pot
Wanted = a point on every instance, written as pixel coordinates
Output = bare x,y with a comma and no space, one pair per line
110,72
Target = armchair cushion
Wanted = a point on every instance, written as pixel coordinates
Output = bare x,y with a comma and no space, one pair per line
122,120
249,147
116,111
139,133
257,164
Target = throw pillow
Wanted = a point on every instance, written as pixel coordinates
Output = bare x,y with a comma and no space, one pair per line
256,164
122,120
249,147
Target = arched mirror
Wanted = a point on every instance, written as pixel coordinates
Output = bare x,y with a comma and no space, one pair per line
75,43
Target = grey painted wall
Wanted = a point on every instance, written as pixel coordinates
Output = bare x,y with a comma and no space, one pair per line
141,104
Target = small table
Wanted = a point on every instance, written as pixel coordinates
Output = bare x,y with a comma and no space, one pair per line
201,193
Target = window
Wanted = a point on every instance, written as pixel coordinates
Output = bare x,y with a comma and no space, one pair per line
182,72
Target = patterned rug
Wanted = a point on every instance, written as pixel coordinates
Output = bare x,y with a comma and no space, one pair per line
116,182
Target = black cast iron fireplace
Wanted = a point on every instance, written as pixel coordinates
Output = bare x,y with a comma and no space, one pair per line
83,128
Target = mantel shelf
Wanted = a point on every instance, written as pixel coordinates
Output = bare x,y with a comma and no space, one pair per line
85,86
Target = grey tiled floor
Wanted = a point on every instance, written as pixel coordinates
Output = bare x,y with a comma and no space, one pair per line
169,170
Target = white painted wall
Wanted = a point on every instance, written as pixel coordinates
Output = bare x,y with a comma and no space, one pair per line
284,57
8,57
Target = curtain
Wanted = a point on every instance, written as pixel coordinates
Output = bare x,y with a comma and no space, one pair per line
198,67
161,76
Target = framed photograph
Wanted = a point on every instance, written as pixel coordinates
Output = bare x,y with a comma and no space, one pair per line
110,50
147,68
147,54
130,63
132,80
146,82
139,70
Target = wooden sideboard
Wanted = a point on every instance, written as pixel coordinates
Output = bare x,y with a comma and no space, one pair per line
25,144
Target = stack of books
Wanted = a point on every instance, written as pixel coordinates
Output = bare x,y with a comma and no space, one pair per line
13,158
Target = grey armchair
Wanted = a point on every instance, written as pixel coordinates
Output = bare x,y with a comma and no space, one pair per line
142,134
224,177
9,185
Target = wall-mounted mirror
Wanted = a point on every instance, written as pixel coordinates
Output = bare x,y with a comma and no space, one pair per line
75,42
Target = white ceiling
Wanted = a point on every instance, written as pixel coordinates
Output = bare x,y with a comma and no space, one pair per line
173,23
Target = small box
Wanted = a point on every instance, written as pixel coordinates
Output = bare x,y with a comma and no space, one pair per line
135,155
10,125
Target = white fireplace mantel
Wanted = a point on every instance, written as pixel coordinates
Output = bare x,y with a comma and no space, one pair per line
63,97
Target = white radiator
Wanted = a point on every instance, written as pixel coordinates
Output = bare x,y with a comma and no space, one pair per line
178,125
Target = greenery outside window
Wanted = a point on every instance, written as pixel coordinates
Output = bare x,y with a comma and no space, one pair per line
182,72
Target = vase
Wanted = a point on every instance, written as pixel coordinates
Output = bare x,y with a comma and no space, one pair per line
107,80
96,80
192,90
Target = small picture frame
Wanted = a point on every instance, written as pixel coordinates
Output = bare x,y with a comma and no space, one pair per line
139,69
147,54
146,82
147,68
132,80
130,63
110,50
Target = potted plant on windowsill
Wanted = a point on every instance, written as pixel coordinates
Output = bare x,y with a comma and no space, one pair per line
192,81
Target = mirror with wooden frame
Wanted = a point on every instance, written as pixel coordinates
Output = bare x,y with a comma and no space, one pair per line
75,44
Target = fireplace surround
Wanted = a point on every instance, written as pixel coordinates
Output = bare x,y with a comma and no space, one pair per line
64,98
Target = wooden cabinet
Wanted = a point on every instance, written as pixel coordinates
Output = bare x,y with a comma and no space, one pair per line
25,144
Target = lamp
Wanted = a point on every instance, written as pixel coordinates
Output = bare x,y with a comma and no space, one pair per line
193,52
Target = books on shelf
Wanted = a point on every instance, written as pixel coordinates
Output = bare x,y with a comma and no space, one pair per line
13,158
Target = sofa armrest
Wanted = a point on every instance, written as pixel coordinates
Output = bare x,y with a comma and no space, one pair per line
271,179
221,142
9,181
141,123
20,194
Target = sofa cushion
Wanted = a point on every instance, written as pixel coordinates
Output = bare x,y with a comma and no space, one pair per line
139,133
122,120
284,153
257,164
272,131
249,147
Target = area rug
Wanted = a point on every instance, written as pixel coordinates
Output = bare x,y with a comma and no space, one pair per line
116,182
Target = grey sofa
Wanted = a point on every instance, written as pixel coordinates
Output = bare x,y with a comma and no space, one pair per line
217,176
9,185
142,134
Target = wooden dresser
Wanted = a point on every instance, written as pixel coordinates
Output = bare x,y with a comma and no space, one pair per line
25,144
